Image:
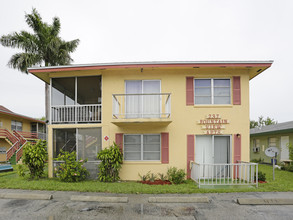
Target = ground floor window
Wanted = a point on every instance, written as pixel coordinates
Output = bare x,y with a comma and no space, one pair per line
142,147
2,150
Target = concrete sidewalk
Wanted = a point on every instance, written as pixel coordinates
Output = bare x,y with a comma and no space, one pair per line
248,198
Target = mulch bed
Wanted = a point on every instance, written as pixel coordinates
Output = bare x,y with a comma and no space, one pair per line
156,182
262,181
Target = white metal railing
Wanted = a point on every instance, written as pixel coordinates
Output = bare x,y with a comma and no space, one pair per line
76,113
147,105
242,173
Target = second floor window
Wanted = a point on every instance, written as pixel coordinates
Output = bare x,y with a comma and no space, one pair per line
142,98
16,125
212,91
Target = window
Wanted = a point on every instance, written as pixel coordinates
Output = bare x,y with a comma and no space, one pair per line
272,142
2,150
212,91
256,146
140,103
142,147
16,125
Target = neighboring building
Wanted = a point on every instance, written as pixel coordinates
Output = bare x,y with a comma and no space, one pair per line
15,130
130,103
278,135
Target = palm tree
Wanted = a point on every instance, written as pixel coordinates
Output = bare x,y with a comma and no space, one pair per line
43,47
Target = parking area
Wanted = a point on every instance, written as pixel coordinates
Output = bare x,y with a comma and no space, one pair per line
219,206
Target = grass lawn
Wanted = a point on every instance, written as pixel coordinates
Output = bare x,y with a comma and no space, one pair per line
10,180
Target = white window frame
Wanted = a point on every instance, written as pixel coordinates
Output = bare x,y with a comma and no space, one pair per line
212,90
2,150
16,124
143,80
141,146
270,142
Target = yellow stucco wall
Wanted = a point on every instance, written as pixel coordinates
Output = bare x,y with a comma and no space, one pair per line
4,143
6,122
184,119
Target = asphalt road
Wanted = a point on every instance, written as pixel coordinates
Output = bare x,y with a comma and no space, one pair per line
220,206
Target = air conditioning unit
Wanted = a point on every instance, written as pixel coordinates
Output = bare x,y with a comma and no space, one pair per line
256,149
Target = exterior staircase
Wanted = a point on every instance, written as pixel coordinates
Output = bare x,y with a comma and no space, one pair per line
17,142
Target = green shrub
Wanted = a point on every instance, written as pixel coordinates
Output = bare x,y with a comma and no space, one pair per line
162,176
257,160
70,170
261,176
287,167
111,160
176,176
34,157
145,177
153,177
22,170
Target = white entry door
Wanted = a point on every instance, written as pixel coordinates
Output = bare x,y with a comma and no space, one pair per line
211,150
284,148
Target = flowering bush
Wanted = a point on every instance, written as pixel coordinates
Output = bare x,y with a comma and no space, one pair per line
70,170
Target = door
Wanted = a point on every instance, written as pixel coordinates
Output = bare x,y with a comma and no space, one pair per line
221,152
211,150
204,154
284,148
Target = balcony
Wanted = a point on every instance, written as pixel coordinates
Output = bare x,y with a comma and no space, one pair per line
142,108
76,113
76,100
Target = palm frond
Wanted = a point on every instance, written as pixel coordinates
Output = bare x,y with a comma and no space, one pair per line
22,40
55,28
22,61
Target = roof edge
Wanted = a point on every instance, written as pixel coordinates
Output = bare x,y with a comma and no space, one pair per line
266,63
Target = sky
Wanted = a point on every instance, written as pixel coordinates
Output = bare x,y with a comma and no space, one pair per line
161,30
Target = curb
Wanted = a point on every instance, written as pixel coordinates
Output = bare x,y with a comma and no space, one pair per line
100,199
269,201
178,200
30,196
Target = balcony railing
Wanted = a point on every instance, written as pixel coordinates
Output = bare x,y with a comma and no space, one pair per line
153,105
242,173
76,114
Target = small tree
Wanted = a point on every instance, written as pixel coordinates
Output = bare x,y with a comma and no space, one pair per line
262,122
34,157
111,160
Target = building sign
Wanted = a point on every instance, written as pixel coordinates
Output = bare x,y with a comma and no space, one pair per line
213,124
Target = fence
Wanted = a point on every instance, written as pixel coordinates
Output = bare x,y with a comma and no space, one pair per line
242,173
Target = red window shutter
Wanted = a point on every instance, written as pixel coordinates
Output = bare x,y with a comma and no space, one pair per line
237,154
236,90
165,147
119,140
189,91
190,152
